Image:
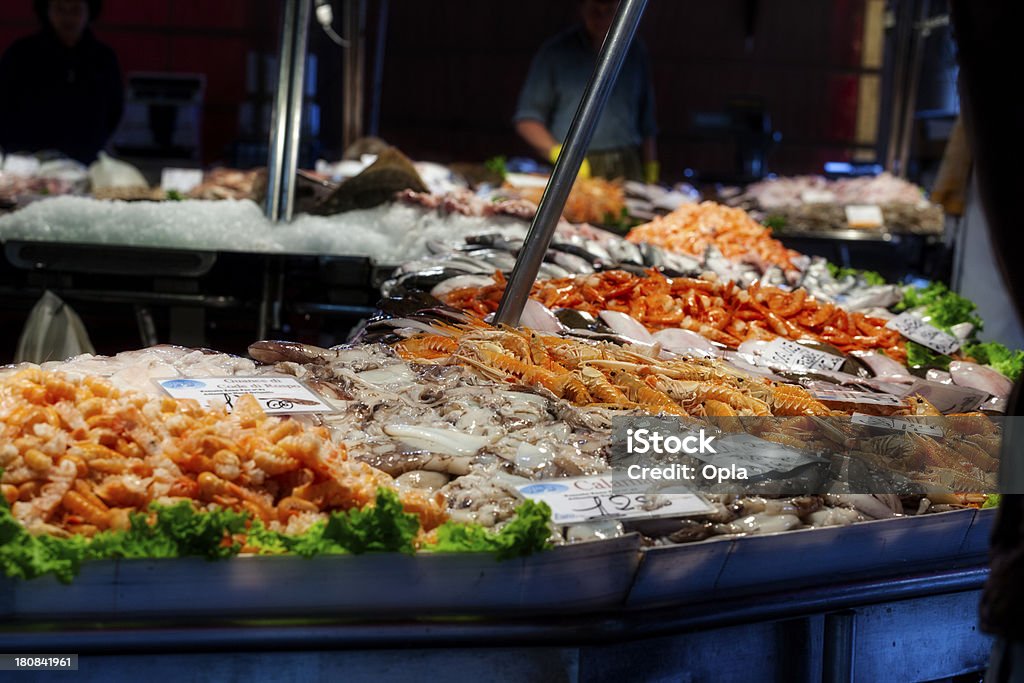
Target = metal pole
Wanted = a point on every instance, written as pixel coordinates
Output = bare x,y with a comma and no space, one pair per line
279,121
903,16
917,57
352,112
378,67
581,131
297,94
840,647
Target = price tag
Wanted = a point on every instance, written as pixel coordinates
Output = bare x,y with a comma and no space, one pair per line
582,499
895,424
20,165
757,456
180,179
276,395
924,333
864,216
788,354
817,197
862,397
948,398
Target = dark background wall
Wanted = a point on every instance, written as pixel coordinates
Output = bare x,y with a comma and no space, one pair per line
453,69
212,37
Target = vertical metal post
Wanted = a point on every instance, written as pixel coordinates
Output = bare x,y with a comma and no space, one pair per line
296,97
279,120
920,35
839,646
378,67
355,57
574,149
903,18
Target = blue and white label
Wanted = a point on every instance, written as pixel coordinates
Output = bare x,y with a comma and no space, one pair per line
538,489
583,499
276,394
182,384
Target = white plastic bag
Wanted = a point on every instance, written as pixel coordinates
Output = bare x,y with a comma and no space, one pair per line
108,172
52,332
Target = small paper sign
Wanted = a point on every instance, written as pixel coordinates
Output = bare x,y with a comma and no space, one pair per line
788,354
180,179
864,216
914,328
276,395
895,424
817,197
20,165
583,499
862,397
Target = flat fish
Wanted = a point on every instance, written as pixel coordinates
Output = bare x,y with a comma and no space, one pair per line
391,173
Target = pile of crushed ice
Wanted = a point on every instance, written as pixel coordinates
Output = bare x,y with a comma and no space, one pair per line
391,233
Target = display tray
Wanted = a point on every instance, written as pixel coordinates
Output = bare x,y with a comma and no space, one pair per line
570,579
587,577
109,259
977,540
673,574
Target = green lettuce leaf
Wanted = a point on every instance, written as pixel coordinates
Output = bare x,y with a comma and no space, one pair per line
869,277
528,533
25,556
943,307
382,527
919,356
992,500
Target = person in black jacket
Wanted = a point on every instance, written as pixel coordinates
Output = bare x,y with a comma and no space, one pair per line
60,88
986,35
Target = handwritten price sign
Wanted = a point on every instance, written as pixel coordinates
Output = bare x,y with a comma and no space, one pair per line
787,354
924,333
582,499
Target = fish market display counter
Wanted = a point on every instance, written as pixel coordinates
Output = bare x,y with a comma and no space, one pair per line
131,296
886,600
894,254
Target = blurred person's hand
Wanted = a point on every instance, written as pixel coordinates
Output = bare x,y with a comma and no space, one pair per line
584,171
652,172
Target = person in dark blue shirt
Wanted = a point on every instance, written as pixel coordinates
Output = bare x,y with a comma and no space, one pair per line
61,87
624,140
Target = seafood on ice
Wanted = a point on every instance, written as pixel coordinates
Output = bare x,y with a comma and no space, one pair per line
720,311
693,228
79,455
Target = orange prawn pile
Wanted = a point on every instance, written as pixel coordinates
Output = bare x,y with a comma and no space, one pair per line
721,312
592,200
609,376
605,375
692,228
78,456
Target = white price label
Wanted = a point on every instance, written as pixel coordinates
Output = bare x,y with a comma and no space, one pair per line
582,499
817,197
19,165
757,456
862,397
864,216
276,395
948,398
924,333
180,179
788,354
895,424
